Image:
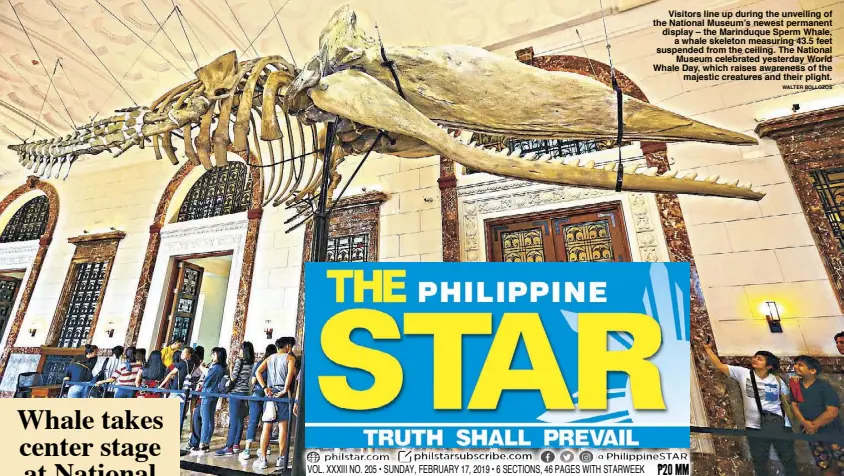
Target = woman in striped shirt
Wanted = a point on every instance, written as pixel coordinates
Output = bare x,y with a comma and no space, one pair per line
241,375
256,408
125,375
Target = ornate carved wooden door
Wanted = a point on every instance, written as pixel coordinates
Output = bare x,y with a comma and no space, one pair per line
8,292
594,233
185,298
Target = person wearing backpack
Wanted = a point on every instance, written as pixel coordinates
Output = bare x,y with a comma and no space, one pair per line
203,420
764,411
816,408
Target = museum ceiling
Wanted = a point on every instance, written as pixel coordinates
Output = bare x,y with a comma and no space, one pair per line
124,43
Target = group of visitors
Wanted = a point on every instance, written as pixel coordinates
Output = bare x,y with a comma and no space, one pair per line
177,367
773,407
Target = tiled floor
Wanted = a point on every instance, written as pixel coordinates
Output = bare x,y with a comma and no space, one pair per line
231,462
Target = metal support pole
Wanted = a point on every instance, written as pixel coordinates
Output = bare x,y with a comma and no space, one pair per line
182,420
319,250
319,246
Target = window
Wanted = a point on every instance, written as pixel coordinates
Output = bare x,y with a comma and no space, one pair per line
554,148
220,191
588,234
350,249
352,237
28,223
9,288
829,184
84,299
75,319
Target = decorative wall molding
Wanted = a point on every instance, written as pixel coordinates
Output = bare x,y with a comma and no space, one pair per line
646,234
211,233
480,201
94,237
496,185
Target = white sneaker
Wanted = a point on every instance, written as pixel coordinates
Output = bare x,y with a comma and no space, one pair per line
244,455
281,462
200,451
260,463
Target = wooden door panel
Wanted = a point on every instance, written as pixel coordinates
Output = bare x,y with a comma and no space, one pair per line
587,234
520,242
182,310
588,241
591,237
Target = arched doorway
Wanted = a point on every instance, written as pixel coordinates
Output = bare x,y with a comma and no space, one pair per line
18,242
197,271
28,220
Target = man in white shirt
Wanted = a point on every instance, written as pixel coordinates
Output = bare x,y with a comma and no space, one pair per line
763,409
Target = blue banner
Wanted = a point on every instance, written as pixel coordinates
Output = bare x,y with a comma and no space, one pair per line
493,355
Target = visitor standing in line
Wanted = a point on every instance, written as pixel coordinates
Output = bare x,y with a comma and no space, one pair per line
281,373
239,384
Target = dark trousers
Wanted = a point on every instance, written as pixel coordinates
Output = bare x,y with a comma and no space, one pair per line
255,411
760,450
203,423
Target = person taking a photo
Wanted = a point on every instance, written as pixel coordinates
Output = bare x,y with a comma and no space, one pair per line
764,412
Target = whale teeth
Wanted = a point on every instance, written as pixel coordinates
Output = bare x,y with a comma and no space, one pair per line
670,174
